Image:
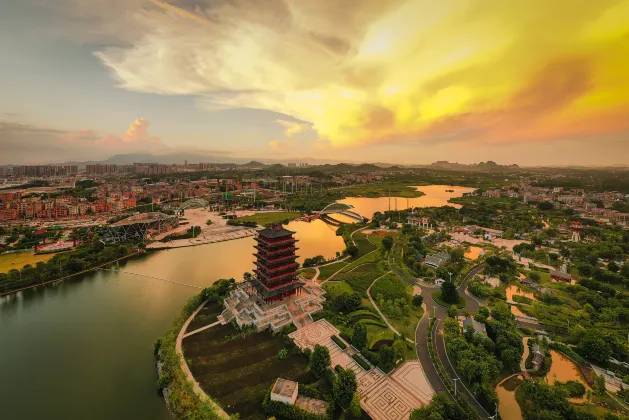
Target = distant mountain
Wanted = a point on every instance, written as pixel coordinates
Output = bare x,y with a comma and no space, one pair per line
253,165
489,166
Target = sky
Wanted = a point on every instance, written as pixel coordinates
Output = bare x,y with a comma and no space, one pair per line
530,82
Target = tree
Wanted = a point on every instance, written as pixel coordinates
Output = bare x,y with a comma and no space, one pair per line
346,302
352,250
398,349
387,243
453,311
440,407
247,276
418,300
319,360
344,387
359,335
594,347
387,358
449,293
354,407
613,267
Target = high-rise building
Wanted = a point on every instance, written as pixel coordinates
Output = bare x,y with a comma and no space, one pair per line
276,268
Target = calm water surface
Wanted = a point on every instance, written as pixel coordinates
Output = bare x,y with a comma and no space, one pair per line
82,348
435,196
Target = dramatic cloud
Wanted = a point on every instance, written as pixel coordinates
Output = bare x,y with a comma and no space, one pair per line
24,143
383,70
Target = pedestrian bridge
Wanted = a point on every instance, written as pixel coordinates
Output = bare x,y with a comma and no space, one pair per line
194,203
344,209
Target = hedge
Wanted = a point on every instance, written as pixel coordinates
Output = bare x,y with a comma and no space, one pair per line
361,362
372,322
339,342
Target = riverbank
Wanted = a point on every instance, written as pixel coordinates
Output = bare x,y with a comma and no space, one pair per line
87,270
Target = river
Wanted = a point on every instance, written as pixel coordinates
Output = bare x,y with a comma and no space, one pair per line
434,196
82,348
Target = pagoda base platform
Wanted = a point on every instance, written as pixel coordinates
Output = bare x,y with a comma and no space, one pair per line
245,306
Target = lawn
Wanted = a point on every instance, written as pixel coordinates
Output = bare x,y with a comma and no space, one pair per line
328,270
363,244
20,259
436,296
206,316
369,258
308,273
237,369
335,288
266,218
390,287
360,280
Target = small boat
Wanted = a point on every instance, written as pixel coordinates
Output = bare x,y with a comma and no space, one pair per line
449,190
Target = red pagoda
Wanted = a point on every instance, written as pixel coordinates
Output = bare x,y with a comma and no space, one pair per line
276,268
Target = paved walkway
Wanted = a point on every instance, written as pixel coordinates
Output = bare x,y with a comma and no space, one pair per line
384,318
186,370
201,329
525,355
383,397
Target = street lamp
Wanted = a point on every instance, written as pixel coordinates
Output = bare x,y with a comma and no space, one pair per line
455,380
450,276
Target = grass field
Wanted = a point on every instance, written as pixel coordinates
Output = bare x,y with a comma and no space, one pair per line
20,259
363,244
266,218
308,273
237,369
328,270
381,189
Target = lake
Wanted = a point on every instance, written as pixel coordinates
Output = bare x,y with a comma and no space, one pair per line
434,196
83,348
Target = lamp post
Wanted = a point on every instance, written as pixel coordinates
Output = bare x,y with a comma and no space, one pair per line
455,381
450,274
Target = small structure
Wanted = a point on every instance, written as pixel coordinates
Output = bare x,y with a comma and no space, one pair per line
538,357
492,233
285,391
437,260
479,327
439,282
576,229
422,222
561,276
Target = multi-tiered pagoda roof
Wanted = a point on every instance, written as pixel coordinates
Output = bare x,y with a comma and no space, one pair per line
276,266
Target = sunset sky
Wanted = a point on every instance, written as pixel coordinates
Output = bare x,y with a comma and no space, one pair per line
404,81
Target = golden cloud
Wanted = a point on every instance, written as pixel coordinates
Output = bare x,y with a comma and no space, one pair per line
392,70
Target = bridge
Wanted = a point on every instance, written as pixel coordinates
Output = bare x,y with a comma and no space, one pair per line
195,203
343,209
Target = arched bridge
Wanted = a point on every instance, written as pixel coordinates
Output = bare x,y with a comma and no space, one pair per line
344,209
195,203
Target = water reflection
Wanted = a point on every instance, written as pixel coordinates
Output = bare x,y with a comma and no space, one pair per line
435,196
508,406
84,345
562,369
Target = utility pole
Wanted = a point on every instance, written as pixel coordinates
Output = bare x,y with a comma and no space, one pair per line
455,381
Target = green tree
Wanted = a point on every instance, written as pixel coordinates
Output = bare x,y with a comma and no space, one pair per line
359,336
594,347
387,242
449,293
319,360
399,347
387,358
439,408
352,250
344,387
453,311
418,300
354,407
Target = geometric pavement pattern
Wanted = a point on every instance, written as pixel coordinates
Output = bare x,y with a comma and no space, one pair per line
383,397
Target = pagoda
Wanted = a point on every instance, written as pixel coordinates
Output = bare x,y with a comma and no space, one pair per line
276,268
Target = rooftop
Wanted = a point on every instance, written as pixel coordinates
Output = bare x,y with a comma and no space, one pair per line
284,387
275,230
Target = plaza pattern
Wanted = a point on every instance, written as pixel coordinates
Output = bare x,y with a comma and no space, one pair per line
383,397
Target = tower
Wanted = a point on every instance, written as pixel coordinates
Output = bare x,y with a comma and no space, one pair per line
576,228
276,268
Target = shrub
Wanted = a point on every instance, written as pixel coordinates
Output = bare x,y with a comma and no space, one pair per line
418,300
373,322
339,342
361,362
281,355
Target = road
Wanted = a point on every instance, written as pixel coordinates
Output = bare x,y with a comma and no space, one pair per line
433,309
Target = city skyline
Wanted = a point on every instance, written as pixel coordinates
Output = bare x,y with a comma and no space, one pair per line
408,82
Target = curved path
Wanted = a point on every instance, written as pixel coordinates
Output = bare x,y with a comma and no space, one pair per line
186,370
